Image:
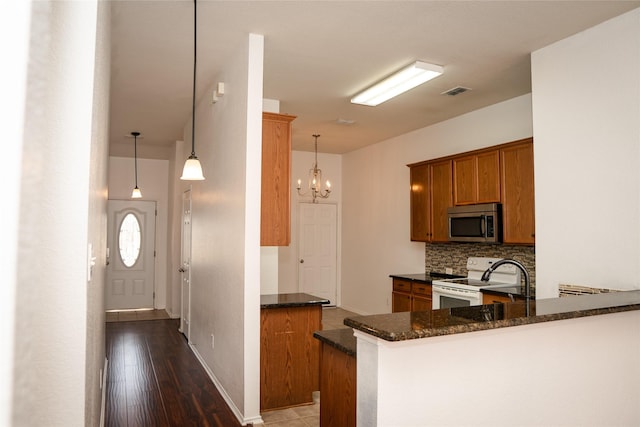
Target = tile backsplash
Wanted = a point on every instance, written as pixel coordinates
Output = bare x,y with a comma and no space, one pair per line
439,256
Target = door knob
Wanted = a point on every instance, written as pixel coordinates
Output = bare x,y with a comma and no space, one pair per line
301,261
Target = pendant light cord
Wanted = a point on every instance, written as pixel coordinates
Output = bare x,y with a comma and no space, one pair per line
193,97
135,156
315,166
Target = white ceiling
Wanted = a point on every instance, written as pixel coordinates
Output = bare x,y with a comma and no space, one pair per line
320,53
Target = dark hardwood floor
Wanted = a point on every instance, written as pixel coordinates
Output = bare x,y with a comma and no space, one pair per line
154,379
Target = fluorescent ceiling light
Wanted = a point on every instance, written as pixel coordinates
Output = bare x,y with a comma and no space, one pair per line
400,82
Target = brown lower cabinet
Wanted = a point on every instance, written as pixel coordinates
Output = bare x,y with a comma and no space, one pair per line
289,356
492,299
337,388
410,296
511,309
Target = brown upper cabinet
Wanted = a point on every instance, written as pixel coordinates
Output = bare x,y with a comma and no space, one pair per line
476,178
431,192
518,200
500,174
275,209
440,174
420,209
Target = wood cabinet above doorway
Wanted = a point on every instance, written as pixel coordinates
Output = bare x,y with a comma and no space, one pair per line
275,209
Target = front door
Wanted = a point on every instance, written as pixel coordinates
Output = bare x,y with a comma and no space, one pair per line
131,236
317,268
185,269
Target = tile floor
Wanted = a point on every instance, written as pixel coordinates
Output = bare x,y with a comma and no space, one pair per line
300,416
309,415
332,317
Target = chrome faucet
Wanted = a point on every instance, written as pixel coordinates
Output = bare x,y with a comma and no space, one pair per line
527,281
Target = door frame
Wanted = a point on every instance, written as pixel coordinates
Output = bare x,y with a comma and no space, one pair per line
112,250
185,323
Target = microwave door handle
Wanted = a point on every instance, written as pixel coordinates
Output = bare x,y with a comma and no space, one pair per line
483,225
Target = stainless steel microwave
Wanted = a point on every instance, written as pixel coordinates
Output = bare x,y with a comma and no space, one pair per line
480,223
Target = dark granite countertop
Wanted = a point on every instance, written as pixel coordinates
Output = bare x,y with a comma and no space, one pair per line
423,324
342,339
424,277
290,300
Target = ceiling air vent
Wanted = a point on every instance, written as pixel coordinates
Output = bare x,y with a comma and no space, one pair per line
455,91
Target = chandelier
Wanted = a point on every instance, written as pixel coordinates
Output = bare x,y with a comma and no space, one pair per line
314,185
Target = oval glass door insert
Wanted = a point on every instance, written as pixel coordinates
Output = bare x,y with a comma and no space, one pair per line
129,240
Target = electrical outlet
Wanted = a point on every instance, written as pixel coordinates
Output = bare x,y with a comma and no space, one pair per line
212,341
448,270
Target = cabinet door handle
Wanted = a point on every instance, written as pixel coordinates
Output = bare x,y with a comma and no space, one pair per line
301,261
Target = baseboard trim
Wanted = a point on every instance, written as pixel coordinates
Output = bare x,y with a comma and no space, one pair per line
172,315
103,385
241,418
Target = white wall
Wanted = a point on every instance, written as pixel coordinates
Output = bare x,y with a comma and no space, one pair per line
577,372
586,115
225,278
375,213
301,162
97,217
14,41
59,318
153,181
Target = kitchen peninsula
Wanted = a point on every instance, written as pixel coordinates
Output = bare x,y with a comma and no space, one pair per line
572,361
289,355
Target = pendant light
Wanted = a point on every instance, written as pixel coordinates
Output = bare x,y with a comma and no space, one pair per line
136,193
192,170
314,185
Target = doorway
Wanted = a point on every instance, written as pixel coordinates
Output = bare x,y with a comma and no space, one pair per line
317,260
131,237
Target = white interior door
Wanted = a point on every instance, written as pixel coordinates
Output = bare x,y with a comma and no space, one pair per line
131,236
317,268
185,268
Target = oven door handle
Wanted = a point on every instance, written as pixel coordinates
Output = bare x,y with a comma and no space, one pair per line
446,290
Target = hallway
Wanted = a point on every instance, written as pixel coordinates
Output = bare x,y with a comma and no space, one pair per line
154,379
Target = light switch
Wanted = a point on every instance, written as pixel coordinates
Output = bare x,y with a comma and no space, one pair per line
91,261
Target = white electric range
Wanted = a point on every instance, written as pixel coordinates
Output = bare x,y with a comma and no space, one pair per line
467,291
